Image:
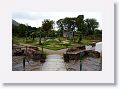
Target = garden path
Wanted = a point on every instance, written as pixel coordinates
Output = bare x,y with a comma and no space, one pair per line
54,63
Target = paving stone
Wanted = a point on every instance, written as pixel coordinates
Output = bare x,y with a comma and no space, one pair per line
54,63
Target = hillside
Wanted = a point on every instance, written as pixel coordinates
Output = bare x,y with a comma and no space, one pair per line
15,23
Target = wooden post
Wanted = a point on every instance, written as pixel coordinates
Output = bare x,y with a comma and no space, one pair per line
80,62
66,48
24,63
42,48
24,59
26,51
80,65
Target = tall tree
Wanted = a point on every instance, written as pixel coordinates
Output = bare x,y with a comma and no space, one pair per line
22,30
67,24
47,25
39,34
80,26
60,26
91,25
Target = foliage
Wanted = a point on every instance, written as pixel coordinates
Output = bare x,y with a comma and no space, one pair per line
47,26
84,31
91,25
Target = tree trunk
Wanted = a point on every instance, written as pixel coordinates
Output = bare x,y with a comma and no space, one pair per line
40,39
73,36
80,38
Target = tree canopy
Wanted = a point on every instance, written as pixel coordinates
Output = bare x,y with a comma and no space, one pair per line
77,24
47,25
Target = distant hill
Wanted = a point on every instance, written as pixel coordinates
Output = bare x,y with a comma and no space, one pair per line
15,23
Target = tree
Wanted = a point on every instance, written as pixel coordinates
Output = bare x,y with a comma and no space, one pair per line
97,31
91,25
14,30
39,34
22,30
80,26
73,27
66,24
80,23
47,25
60,26
33,34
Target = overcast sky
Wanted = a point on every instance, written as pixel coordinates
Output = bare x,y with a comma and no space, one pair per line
35,19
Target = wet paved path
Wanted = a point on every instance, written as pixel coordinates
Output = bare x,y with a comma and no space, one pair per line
54,63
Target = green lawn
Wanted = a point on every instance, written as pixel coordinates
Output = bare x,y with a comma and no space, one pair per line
53,44
86,42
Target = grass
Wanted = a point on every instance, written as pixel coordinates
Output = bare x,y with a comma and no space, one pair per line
53,44
18,40
86,42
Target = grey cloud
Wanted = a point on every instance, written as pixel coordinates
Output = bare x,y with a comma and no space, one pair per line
29,16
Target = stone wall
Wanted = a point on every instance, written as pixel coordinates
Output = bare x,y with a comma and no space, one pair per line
30,52
83,54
